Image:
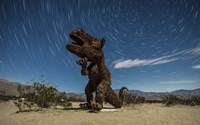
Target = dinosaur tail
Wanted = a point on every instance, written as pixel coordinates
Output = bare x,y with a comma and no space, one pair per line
121,93
115,100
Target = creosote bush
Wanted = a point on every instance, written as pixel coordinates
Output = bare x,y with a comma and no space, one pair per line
130,98
43,94
169,100
4,97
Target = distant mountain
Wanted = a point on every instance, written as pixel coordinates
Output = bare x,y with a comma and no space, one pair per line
182,92
10,88
158,95
77,95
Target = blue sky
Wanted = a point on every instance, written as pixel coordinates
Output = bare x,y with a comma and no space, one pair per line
150,45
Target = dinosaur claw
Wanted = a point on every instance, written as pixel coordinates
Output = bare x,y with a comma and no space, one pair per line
82,62
85,105
96,106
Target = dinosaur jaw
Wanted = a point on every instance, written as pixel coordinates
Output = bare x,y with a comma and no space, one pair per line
75,49
84,45
77,40
76,46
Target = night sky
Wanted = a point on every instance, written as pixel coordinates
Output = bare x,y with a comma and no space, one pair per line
151,45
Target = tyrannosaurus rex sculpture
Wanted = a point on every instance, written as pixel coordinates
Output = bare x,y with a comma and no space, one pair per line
89,49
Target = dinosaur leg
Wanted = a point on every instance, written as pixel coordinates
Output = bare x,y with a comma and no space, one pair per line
113,99
100,94
89,96
88,92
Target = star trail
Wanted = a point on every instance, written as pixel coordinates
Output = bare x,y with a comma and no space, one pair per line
150,45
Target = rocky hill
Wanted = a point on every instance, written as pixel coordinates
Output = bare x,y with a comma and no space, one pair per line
9,88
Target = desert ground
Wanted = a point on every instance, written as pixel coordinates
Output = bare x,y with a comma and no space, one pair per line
144,114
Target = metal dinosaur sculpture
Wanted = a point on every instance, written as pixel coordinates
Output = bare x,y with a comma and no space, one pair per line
89,49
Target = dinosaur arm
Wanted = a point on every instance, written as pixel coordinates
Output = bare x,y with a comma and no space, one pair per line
84,71
83,63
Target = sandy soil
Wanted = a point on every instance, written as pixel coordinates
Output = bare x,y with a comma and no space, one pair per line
145,114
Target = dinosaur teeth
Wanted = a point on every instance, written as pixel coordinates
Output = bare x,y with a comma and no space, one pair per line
78,43
75,43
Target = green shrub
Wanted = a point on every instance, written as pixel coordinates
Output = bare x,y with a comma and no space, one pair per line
130,98
170,100
43,94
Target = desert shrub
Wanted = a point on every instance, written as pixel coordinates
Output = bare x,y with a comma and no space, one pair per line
195,100
4,97
73,99
130,98
170,100
2,92
43,94
153,101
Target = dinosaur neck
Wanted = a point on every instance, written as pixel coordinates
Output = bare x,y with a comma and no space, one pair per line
105,74
101,63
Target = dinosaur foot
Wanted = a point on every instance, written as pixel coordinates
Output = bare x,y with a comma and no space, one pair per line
96,106
85,105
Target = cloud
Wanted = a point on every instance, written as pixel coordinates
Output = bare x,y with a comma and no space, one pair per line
141,62
185,54
164,61
196,67
179,82
196,51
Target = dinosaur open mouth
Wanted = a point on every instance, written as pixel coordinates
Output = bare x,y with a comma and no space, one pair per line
77,39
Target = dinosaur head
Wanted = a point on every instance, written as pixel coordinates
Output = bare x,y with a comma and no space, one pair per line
85,45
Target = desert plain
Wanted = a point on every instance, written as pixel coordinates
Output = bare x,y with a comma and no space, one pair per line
141,114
